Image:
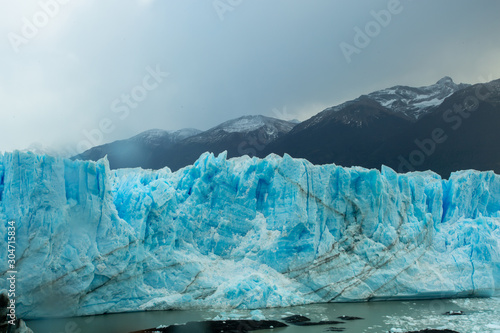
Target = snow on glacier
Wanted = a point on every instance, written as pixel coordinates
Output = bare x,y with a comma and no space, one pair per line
242,233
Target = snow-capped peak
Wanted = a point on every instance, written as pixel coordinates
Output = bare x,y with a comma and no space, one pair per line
414,102
153,134
244,124
445,81
157,135
411,102
272,128
184,133
247,124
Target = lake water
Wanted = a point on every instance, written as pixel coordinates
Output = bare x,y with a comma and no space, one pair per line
482,315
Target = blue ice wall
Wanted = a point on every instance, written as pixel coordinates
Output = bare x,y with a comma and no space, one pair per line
244,233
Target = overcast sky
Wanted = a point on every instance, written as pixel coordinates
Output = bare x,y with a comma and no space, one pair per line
74,71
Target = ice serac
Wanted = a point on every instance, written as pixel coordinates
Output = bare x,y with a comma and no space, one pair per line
244,233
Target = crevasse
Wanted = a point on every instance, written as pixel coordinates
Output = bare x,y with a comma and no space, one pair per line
244,232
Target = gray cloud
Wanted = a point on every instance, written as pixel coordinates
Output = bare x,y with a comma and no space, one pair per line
262,56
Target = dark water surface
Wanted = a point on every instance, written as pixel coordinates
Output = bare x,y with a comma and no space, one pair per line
481,315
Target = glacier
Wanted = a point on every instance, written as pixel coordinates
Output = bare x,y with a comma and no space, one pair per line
242,233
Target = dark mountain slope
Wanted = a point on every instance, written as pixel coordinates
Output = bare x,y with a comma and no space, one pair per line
467,123
245,135
443,127
141,150
155,149
363,133
356,135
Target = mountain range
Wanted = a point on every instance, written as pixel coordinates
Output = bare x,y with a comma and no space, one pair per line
443,127
154,149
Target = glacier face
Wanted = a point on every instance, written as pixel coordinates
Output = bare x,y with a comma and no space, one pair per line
244,233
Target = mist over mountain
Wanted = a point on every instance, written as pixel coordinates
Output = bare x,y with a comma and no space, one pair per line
139,150
155,149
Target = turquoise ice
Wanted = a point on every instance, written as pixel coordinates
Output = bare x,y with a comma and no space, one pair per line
242,233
